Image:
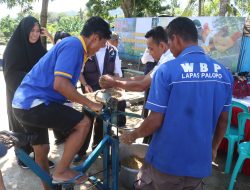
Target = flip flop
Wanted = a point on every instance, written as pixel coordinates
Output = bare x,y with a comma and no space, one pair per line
70,181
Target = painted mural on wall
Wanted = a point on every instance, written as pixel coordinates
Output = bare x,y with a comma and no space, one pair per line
220,37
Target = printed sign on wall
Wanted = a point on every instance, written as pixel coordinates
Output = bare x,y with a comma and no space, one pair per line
220,37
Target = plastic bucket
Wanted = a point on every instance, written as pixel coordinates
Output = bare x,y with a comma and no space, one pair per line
128,175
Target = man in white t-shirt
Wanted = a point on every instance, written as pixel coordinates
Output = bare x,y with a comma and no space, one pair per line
105,61
157,43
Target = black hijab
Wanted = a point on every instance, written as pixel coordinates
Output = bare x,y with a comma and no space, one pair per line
20,55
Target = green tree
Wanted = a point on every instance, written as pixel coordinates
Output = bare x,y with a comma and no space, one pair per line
173,8
149,8
7,26
99,8
223,7
211,8
190,9
70,24
217,8
26,7
131,8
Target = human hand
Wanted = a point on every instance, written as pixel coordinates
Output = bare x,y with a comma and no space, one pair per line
44,32
88,89
106,81
96,107
127,138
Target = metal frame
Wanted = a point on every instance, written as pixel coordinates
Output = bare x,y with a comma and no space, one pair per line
109,146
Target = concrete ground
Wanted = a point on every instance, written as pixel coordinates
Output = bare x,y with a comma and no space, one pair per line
23,179
16,178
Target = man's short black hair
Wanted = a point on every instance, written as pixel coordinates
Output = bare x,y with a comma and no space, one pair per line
183,27
96,25
158,34
60,35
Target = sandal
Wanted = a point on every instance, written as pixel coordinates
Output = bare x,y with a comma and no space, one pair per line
70,181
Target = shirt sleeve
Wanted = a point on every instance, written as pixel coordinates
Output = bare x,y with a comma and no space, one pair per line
154,70
159,91
146,57
167,56
68,60
228,102
118,65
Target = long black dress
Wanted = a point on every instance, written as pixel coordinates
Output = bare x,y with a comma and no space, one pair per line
18,59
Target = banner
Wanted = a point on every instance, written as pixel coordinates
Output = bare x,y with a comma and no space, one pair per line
220,37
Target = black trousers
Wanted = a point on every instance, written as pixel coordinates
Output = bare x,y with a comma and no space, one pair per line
14,125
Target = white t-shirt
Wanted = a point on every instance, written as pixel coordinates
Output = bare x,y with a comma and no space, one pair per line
167,56
146,57
100,55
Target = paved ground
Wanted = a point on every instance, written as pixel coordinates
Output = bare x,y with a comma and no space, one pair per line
16,178
22,179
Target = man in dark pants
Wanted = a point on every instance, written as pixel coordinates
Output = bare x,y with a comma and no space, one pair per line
106,61
188,116
157,44
38,103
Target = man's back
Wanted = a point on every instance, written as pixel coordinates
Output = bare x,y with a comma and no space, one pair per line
196,90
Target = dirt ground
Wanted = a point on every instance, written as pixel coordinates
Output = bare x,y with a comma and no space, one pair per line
16,178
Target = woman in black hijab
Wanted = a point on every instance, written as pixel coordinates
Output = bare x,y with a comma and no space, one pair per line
23,51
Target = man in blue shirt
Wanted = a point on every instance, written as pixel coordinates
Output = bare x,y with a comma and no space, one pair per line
189,101
38,103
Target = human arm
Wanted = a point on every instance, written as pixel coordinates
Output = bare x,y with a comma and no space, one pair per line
46,33
118,63
64,86
222,122
2,187
220,131
157,102
150,125
139,83
87,88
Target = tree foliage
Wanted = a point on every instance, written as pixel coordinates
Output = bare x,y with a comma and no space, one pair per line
173,8
131,8
70,24
7,26
217,8
25,5
99,8
149,8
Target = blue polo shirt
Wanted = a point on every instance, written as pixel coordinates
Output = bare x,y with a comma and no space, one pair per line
64,59
191,91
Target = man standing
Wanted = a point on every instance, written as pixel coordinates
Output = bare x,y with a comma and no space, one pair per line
189,101
114,40
157,43
105,61
38,103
